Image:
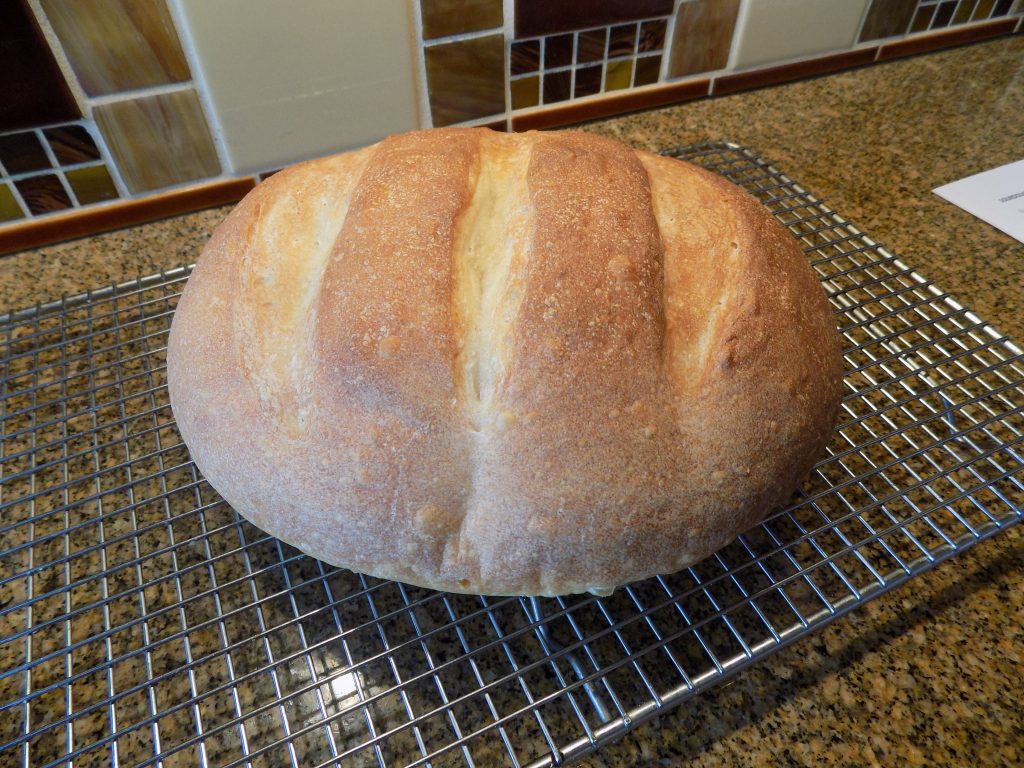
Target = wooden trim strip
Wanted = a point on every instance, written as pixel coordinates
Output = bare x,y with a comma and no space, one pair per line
823,65
617,104
90,221
946,38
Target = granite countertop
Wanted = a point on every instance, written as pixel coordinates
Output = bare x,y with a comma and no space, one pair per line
928,674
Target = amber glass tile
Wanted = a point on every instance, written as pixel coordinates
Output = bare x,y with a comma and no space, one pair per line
452,17
588,81
618,75
982,10
525,92
32,88
887,18
466,79
92,184
557,86
621,41
43,194
72,144
590,45
703,36
963,11
9,208
557,51
647,70
525,56
158,141
22,153
944,14
922,18
546,17
652,36
118,45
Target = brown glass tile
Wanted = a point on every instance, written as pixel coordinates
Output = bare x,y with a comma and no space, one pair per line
92,184
525,92
703,36
621,41
613,104
525,57
544,17
647,70
947,38
9,208
22,153
963,11
618,75
590,45
32,87
922,18
823,65
557,86
557,51
1002,8
982,10
466,79
118,45
886,18
43,194
652,36
123,213
452,17
588,81
944,14
158,141
72,144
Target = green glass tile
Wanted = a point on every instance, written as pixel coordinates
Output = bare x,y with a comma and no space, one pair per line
72,144
43,194
92,184
618,75
452,17
525,92
22,153
466,79
648,68
9,208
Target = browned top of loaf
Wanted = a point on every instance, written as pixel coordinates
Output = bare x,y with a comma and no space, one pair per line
535,363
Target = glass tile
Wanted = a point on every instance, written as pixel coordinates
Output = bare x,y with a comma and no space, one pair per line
621,41
72,144
963,11
922,18
545,17
944,14
525,56
9,208
466,79
618,75
982,10
647,70
652,36
43,194
22,153
703,36
92,184
588,80
525,92
557,51
591,45
452,17
556,86
887,18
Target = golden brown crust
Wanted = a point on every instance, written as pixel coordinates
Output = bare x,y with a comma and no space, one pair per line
510,364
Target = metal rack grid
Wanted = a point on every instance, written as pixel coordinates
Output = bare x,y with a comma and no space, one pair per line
144,623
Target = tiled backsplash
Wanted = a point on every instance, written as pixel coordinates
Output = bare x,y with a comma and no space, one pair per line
174,93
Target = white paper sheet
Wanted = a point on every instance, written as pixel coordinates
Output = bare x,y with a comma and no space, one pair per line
995,196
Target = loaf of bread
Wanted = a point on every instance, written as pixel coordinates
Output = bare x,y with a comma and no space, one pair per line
537,364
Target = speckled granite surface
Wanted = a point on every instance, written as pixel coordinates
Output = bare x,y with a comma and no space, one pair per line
931,673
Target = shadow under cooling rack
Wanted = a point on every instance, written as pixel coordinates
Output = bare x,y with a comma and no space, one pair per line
143,622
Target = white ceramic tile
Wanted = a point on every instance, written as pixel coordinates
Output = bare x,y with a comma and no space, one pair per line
289,81
780,30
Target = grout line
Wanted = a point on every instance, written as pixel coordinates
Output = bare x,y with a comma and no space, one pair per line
636,54
541,71
506,44
426,116
112,167
140,93
42,171
738,30
573,65
667,44
461,36
188,45
55,168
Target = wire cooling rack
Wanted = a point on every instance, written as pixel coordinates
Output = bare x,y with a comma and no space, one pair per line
144,623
